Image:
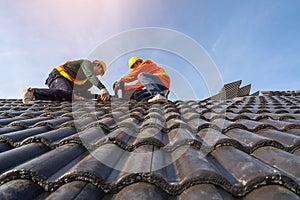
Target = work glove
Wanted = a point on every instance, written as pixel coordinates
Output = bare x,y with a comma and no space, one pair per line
104,95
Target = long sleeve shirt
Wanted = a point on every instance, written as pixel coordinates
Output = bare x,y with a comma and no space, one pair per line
82,69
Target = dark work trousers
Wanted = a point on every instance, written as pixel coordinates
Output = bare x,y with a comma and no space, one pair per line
60,89
152,84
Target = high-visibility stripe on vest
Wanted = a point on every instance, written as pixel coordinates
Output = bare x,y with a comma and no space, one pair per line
160,73
62,71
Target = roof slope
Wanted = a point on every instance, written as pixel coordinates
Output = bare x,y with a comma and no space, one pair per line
247,147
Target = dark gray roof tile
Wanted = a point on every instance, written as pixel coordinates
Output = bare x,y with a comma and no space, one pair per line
214,139
178,137
294,131
19,155
4,130
250,141
201,110
97,166
246,172
198,124
209,115
6,121
189,115
280,160
225,125
288,140
251,125
205,191
50,138
172,115
5,114
141,191
5,146
76,190
48,166
92,136
240,110
20,189
280,125
294,122
233,116
141,156
154,120
82,123
20,135
283,116
29,122
272,192
108,122
53,122
175,123
149,135
191,164
129,122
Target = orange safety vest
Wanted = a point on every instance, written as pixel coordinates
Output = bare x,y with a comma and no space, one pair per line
62,71
146,66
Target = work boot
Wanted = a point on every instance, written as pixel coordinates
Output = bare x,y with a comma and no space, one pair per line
158,98
28,96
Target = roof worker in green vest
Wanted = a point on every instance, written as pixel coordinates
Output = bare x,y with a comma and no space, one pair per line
69,80
153,80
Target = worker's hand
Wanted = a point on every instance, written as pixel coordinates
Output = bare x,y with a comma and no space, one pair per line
116,85
104,95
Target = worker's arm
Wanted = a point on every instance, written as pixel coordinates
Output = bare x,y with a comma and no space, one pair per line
87,68
131,76
146,66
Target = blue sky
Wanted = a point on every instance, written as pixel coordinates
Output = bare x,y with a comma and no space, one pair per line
254,41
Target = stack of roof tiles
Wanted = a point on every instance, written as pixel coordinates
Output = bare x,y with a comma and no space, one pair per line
238,148
233,90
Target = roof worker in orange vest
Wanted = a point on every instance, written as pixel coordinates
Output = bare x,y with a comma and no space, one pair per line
152,79
71,79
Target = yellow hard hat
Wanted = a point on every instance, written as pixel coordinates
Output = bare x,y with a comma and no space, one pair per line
102,64
132,60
